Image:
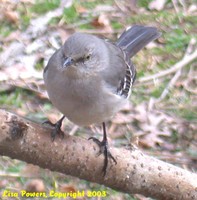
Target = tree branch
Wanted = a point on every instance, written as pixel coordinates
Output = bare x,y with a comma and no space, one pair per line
135,172
185,61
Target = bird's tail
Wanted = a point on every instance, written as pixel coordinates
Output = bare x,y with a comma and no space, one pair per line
137,37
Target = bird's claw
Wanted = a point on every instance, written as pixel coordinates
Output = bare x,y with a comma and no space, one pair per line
104,149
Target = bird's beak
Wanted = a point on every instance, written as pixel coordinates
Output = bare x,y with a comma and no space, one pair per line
67,62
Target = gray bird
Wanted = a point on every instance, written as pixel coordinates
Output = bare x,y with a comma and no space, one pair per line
89,79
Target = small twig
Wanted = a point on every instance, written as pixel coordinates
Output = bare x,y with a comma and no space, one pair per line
120,6
178,73
13,175
74,130
175,4
176,76
172,81
100,32
74,25
185,61
183,4
170,85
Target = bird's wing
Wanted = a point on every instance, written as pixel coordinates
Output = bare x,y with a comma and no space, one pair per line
127,81
128,44
120,72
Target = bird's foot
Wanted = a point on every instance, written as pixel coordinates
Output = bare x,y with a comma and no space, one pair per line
104,149
56,128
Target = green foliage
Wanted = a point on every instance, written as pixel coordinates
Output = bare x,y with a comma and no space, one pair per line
174,137
39,65
54,21
91,4
116,25
86,26
177,39
88,4
156,92
143,3
42,6
16,168
70,14
12,99
25,20
6,28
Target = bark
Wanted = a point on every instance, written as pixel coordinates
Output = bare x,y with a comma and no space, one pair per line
134,173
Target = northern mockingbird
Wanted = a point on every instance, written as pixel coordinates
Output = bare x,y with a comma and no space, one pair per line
89,79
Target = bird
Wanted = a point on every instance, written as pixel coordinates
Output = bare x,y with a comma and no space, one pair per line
89,79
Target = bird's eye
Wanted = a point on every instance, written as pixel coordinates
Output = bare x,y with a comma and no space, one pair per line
87,57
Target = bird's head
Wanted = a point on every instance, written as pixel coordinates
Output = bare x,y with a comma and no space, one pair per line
82,53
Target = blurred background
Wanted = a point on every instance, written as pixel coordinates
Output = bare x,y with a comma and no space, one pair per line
161,118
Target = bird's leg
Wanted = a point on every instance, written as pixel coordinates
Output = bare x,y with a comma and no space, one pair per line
56,128
104,149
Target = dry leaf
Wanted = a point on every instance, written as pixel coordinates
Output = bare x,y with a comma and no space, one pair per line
12,16
35,185
150,141
81,9
4,183
102,22
121,118
67,188
31,171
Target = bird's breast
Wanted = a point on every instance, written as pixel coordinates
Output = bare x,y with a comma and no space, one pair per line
83,101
